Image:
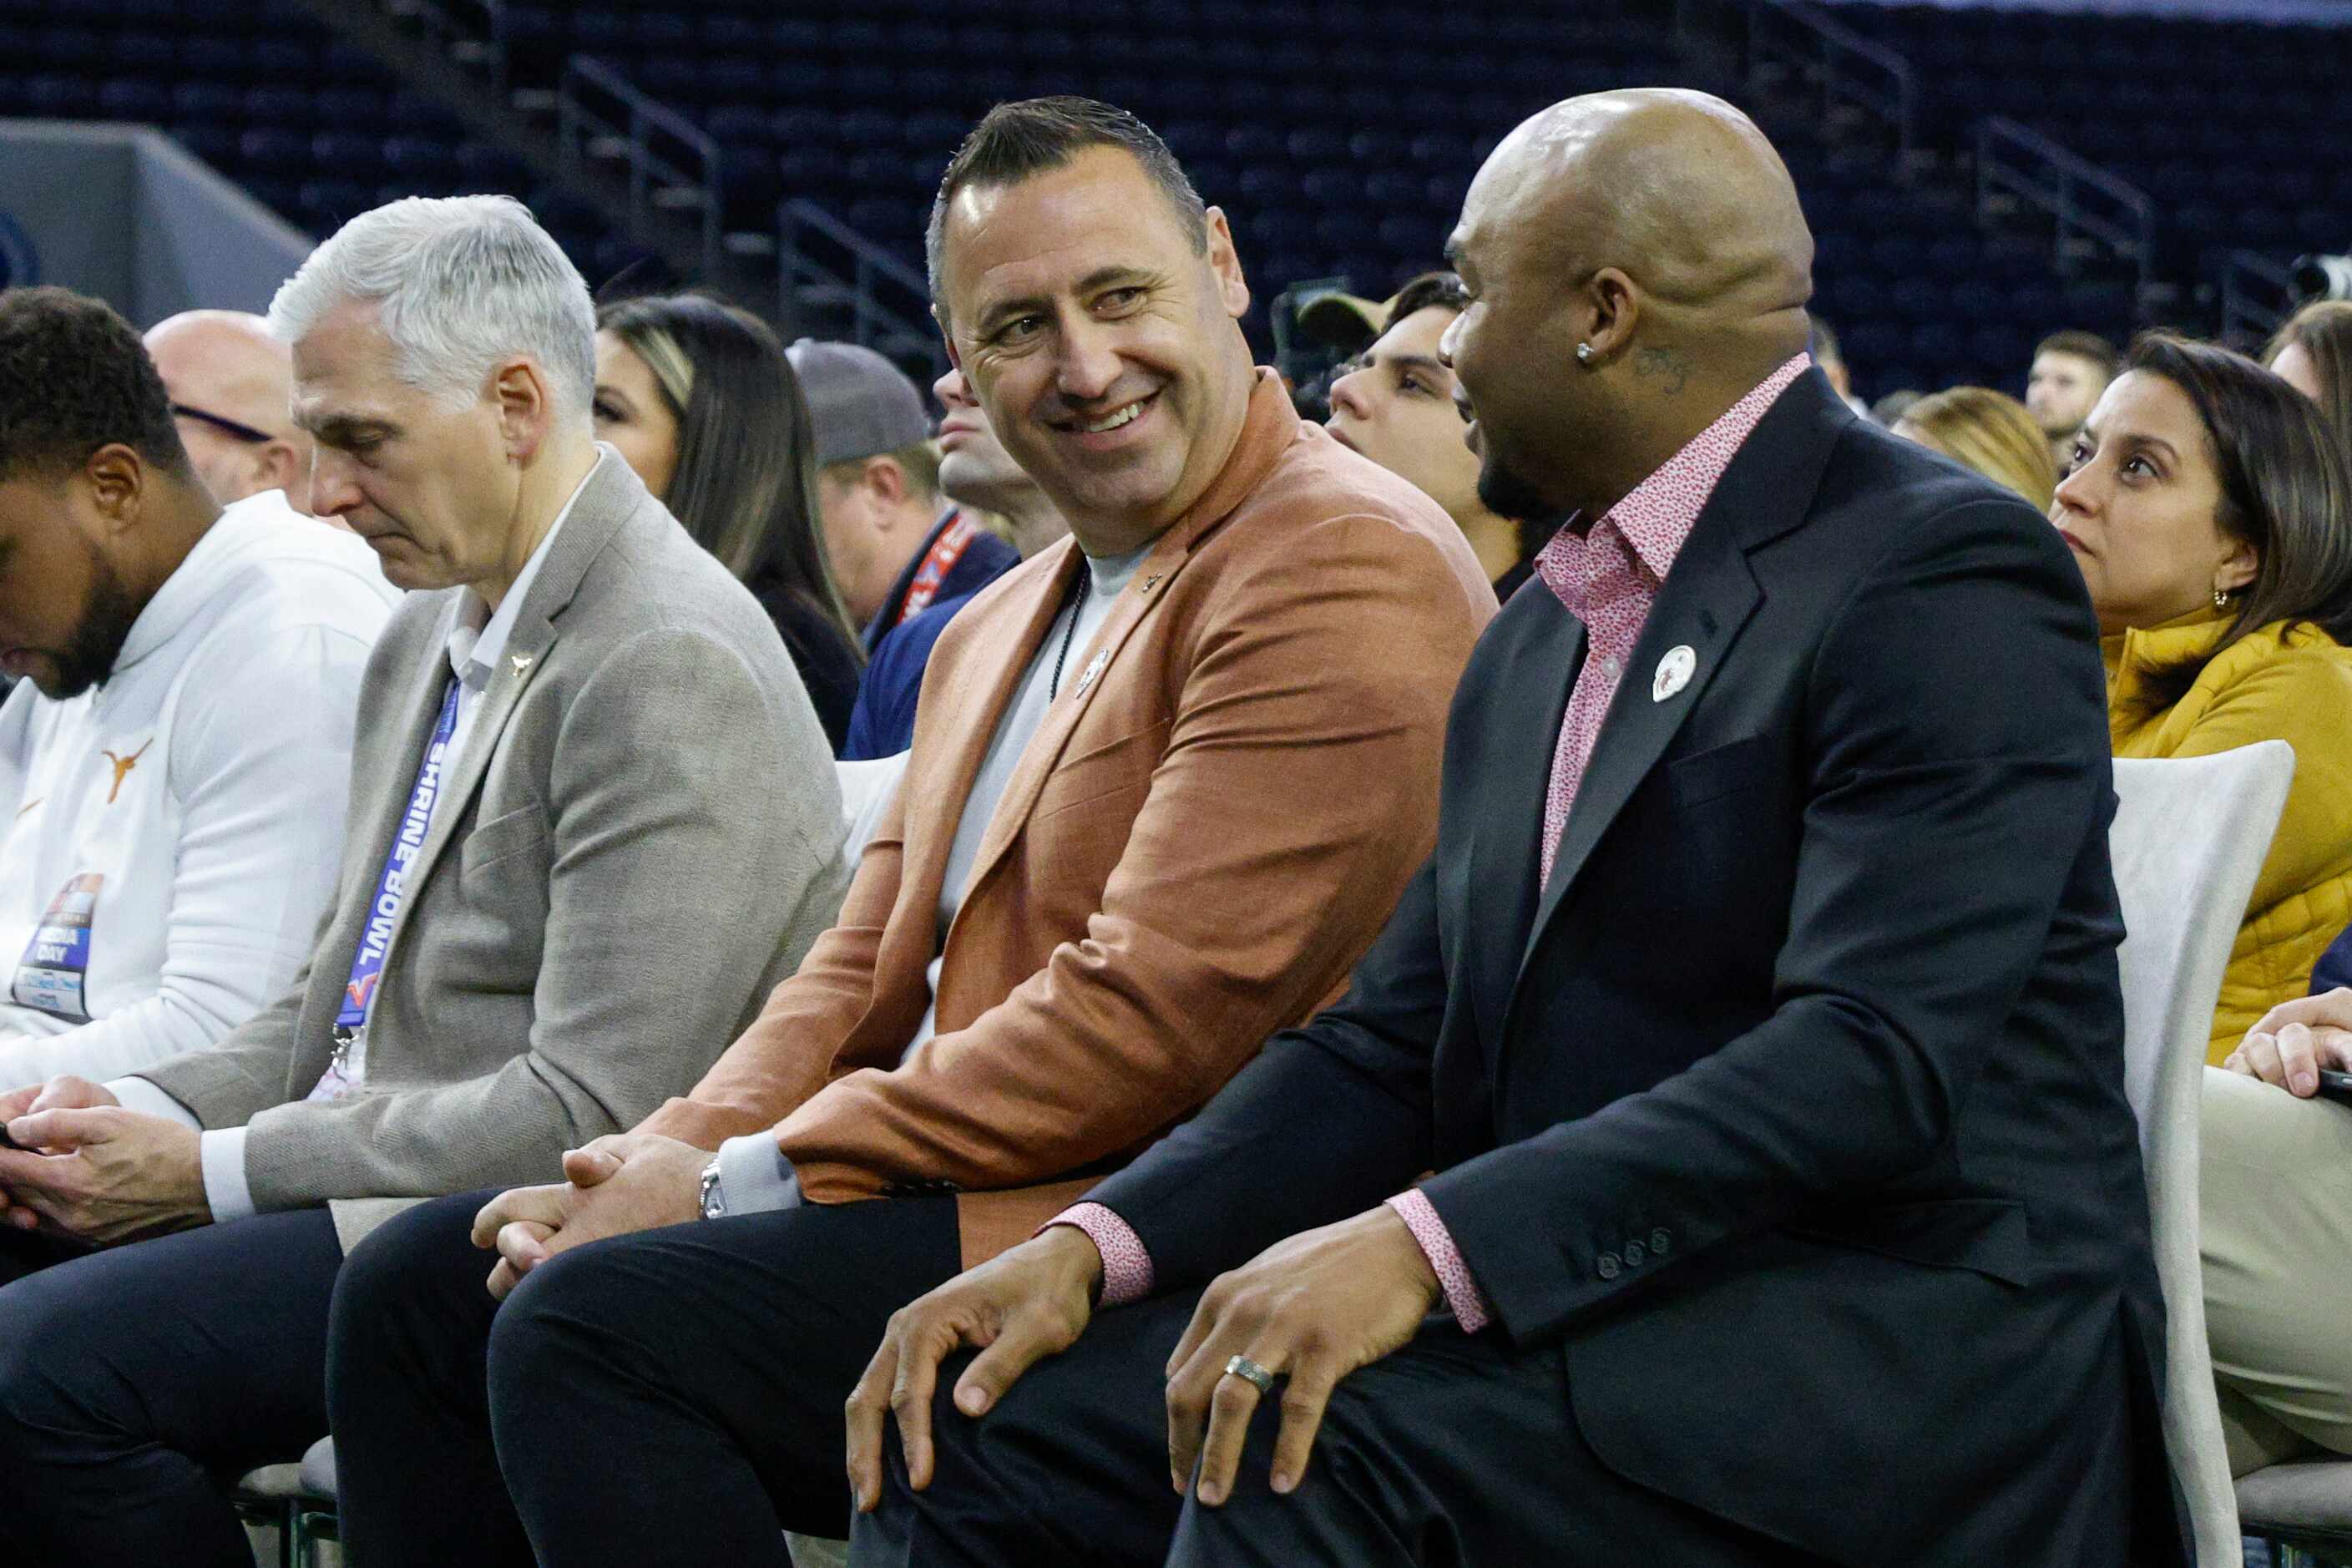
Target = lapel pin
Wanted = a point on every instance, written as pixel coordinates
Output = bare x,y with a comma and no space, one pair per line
1147,582
1094,667
1674,672
522,662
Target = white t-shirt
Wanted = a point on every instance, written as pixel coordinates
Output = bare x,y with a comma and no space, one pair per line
169,839
753,1174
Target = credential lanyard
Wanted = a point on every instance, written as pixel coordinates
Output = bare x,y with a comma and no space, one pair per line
938,561
383,910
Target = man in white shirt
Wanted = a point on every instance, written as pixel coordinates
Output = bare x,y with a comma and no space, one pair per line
172,760
592,820
230,381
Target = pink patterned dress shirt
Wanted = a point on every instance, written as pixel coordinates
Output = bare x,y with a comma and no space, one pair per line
1608,577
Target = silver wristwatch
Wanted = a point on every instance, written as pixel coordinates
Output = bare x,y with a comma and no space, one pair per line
714,1197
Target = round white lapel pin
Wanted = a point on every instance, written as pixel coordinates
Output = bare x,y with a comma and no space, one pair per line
1674,671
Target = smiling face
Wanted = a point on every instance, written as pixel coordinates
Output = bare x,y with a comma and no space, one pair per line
432,489
633,417
2141,508
1397,408
1510,345
1101,344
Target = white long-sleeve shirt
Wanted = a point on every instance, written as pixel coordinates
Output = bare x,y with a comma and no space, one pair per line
191,807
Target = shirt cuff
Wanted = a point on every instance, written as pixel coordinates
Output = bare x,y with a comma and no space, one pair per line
226,1190
1127,1266
141,1095
1461,1293
754,1177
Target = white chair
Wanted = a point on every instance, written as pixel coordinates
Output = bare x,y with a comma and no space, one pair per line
2189,840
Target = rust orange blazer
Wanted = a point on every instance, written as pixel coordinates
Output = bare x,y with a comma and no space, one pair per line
1195,849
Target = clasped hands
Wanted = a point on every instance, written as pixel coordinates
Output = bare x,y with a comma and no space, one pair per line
91,1170
1312,1309
621,1182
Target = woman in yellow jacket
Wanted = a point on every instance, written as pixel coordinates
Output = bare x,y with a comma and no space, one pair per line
2211,514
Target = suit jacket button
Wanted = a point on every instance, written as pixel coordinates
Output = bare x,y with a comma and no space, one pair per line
1608,1265
1659,1241
1632,1255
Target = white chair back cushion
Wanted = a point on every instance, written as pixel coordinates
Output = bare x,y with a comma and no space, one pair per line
2188,840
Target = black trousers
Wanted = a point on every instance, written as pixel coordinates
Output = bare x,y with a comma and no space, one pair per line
1456,1452
138,1383
672,1396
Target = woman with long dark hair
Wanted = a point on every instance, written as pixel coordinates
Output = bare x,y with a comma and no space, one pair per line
2210,509
699,398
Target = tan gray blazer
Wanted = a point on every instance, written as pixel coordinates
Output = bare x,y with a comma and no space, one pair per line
641,837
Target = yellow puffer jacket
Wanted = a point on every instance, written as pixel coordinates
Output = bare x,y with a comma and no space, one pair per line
2271,685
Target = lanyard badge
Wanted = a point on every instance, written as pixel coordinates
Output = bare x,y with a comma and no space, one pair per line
51,976
347,1066
938,561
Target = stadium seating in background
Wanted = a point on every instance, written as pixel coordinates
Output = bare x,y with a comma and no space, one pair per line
2234,128
1336,150
311,126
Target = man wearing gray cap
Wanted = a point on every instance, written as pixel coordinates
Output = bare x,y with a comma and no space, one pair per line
896,545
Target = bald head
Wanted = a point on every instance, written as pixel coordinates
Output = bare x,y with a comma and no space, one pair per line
1679,191
1646,261
225,365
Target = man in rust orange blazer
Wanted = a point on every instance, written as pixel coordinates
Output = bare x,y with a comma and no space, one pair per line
1168,781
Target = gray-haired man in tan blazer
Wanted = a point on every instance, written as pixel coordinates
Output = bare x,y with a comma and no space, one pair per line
593,820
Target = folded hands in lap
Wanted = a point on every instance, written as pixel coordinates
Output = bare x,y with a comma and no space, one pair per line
2295,1040
90,1169
1311,1310
622,1182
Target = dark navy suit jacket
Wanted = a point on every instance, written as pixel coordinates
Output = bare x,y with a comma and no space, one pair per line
883,723
1790,1116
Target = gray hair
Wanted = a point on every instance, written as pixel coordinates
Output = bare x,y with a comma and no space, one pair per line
460,282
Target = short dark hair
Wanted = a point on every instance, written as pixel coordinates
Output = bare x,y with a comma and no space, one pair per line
2082,345
1016,142
1441,290
74,377
2323,329
2286,490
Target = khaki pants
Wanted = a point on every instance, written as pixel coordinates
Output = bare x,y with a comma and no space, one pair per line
2276,1223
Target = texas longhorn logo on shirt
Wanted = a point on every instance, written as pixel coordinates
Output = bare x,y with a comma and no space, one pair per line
122,766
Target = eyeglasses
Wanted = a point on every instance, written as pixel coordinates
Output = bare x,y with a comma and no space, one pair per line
245,433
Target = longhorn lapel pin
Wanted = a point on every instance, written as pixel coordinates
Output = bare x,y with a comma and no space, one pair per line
1674,671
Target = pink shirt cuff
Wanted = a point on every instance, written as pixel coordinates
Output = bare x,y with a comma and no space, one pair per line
1127,1266
1462,1292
